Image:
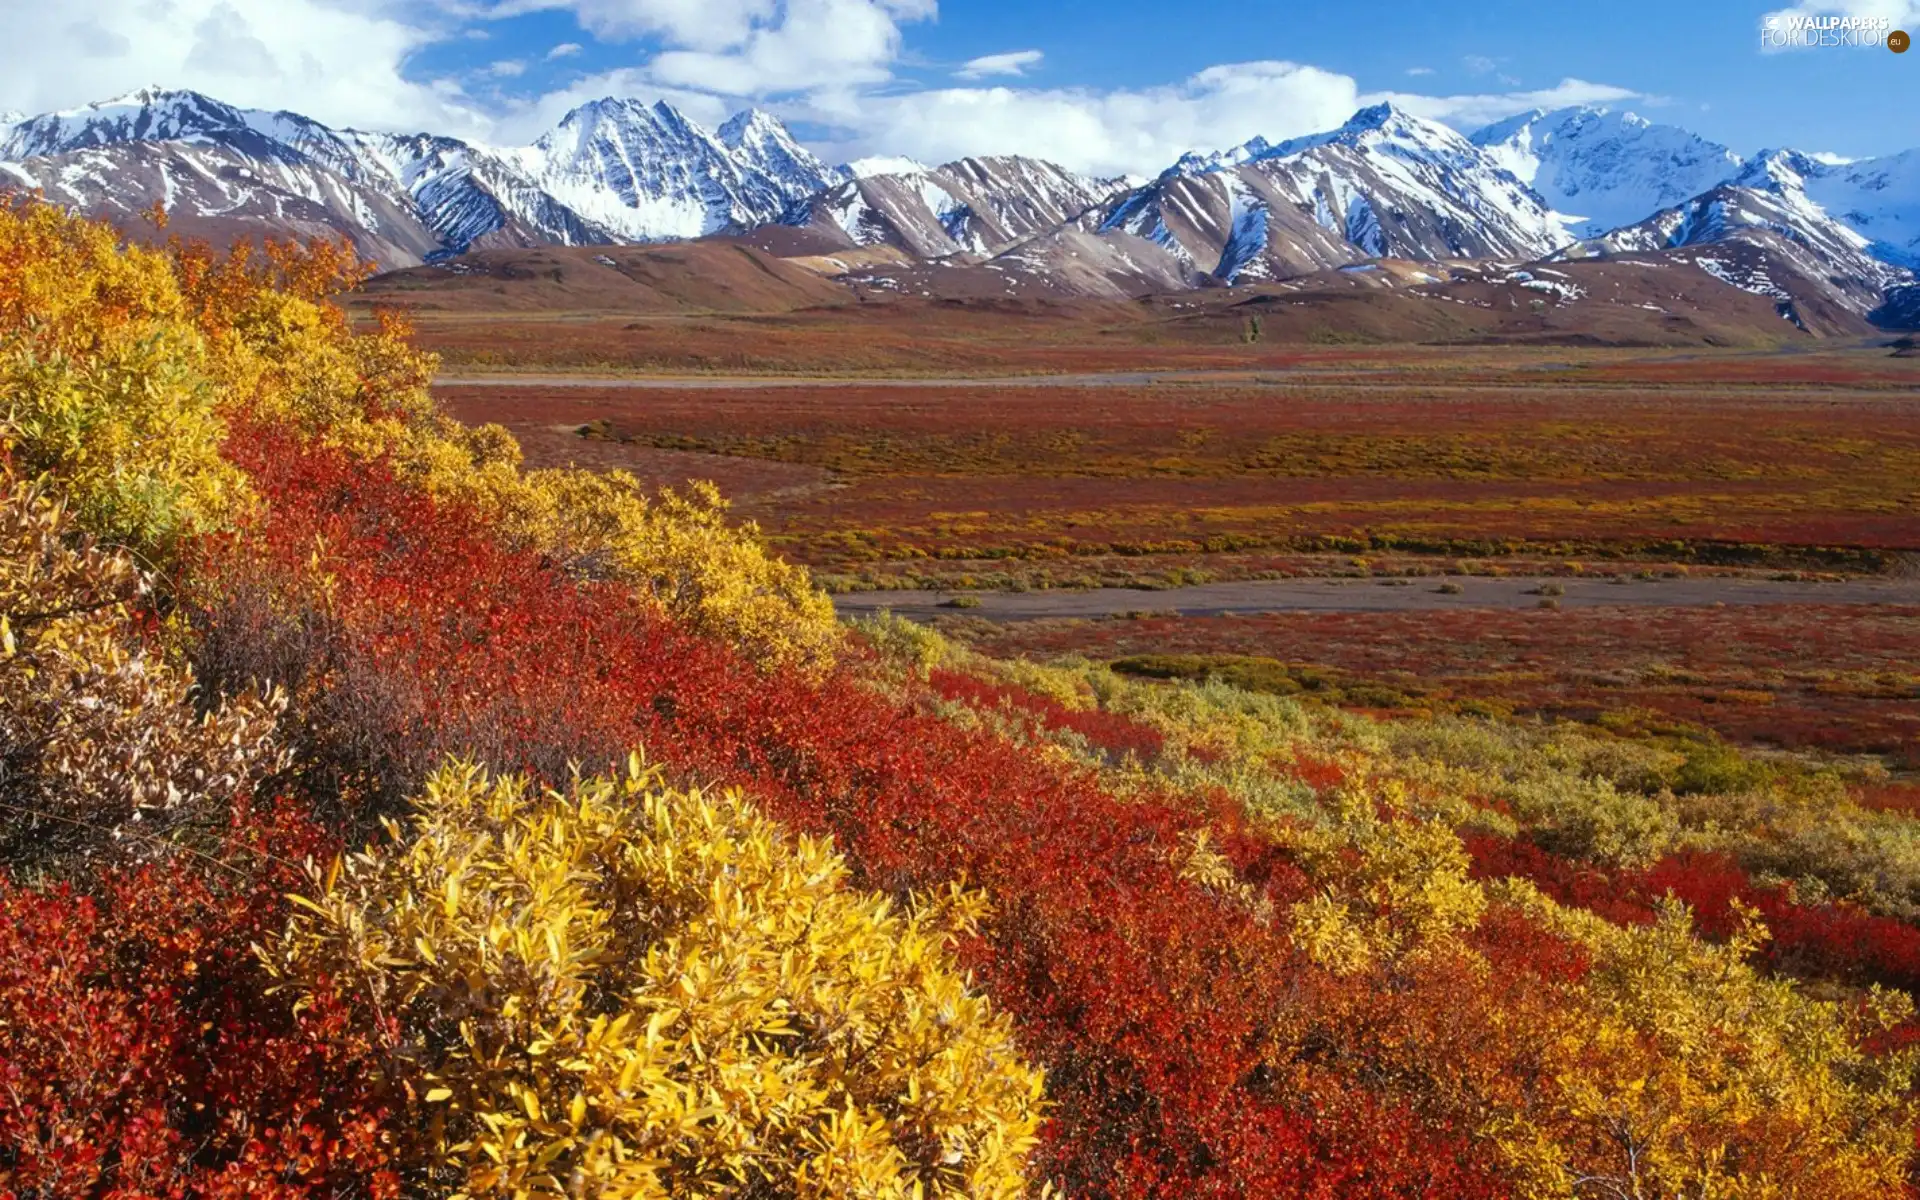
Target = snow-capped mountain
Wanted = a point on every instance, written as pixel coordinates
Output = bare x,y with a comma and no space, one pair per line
884,164
1768,207
219,193
1878,198
976,206
1386,183
759,139
612,171
1603,169
648,172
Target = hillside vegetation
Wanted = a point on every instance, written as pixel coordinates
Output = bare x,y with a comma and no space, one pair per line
383,818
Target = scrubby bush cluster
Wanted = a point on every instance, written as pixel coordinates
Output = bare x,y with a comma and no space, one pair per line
643,991
104,744
881,919
174,1027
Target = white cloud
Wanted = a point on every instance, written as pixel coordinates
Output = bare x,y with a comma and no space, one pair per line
699,24
1473,111
1830,158
1014,62
1420,71
1143,130
509,68
1479,64
1896,14
751,47
336,60
813,44
1106,132
564,50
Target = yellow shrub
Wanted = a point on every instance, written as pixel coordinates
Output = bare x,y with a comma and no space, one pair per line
631,990
105,381
1393,882
1683,1071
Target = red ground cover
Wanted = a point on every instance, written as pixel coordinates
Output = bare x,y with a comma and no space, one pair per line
1810,941
1024,470
1840,677
144,1052
1149,1000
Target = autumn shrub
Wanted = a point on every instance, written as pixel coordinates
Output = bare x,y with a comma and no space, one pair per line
404,634
1110,734
1142,993
1761,1089
144,1052
107,381
637,990
1717,767
105,742
124,369
1682,1070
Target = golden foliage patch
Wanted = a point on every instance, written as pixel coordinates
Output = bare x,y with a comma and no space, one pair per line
630,989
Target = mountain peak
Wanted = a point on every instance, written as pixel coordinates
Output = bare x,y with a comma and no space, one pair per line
761,140
1775,170
148,96
148,114
1604,168
607,108
673,118
1377,116
1508,128
1385,125
752,124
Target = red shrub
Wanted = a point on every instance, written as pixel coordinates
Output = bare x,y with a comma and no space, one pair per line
1117,735
1579,885
141,1053
1321,774
1812,941
1890,797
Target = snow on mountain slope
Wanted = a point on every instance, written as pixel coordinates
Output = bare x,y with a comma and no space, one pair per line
1228,225
883,164
469,196
977,206
612,171
1765,207
1385,183
1877,198
648,173
760,140
1605,169
218,193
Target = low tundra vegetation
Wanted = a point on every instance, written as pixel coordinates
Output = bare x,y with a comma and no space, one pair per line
331,868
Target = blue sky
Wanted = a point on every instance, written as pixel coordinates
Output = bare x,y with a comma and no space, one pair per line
1103,86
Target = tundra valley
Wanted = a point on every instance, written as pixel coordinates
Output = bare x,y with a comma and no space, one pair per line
1380,661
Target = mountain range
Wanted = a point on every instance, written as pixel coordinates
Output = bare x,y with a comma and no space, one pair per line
1541,187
